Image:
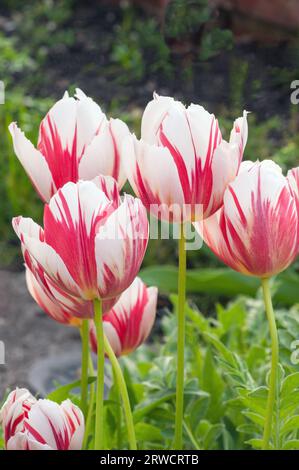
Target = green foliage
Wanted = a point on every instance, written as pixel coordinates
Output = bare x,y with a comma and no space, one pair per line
238,77
142,47
214,42
226,382
40,30
226,370
13,60
36,30
139,48
62,392
221,281
186,17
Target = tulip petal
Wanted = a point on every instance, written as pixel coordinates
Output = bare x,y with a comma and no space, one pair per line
293,179
149,314
120,245
59,305
75,420
32,238
71,221
33,162
239,134
149,170
47,425
65,132
129,322
109,186
102,156
51,263
154,113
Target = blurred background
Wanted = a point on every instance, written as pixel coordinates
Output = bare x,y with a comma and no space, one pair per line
224,54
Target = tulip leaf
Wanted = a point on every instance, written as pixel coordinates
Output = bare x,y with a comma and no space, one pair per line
148,432
292,444
223,281
63,392
290,384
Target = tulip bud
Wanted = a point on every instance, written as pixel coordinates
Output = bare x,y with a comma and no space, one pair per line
31,424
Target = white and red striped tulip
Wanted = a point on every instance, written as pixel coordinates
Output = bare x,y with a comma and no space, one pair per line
181,166
76,141
128,324
59,304
91,246
30,424
256,230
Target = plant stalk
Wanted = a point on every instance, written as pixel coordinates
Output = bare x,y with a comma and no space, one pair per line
99,423
91,403
84,365
274,363
123,392
178,437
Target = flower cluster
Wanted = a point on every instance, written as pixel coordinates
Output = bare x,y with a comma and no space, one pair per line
82,265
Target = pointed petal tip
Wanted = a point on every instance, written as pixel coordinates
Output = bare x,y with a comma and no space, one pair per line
79,94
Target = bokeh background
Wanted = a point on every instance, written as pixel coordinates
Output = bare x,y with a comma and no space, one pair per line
224,54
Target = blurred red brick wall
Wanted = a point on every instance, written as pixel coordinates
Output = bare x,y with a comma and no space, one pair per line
284,13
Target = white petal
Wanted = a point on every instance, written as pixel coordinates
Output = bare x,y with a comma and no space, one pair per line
206,135
246,184
119,247
15,398
52,263
112,337
153,115
149,314
150,169
178,133
25,224
47,418
33,162
103,155
74,418
109,186
239,134
74,120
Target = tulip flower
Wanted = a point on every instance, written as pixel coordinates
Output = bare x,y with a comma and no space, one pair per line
76,142
31,424
256,232
180,169
181,162
91,246
128,324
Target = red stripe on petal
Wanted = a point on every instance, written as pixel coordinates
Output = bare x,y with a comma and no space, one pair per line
62,162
